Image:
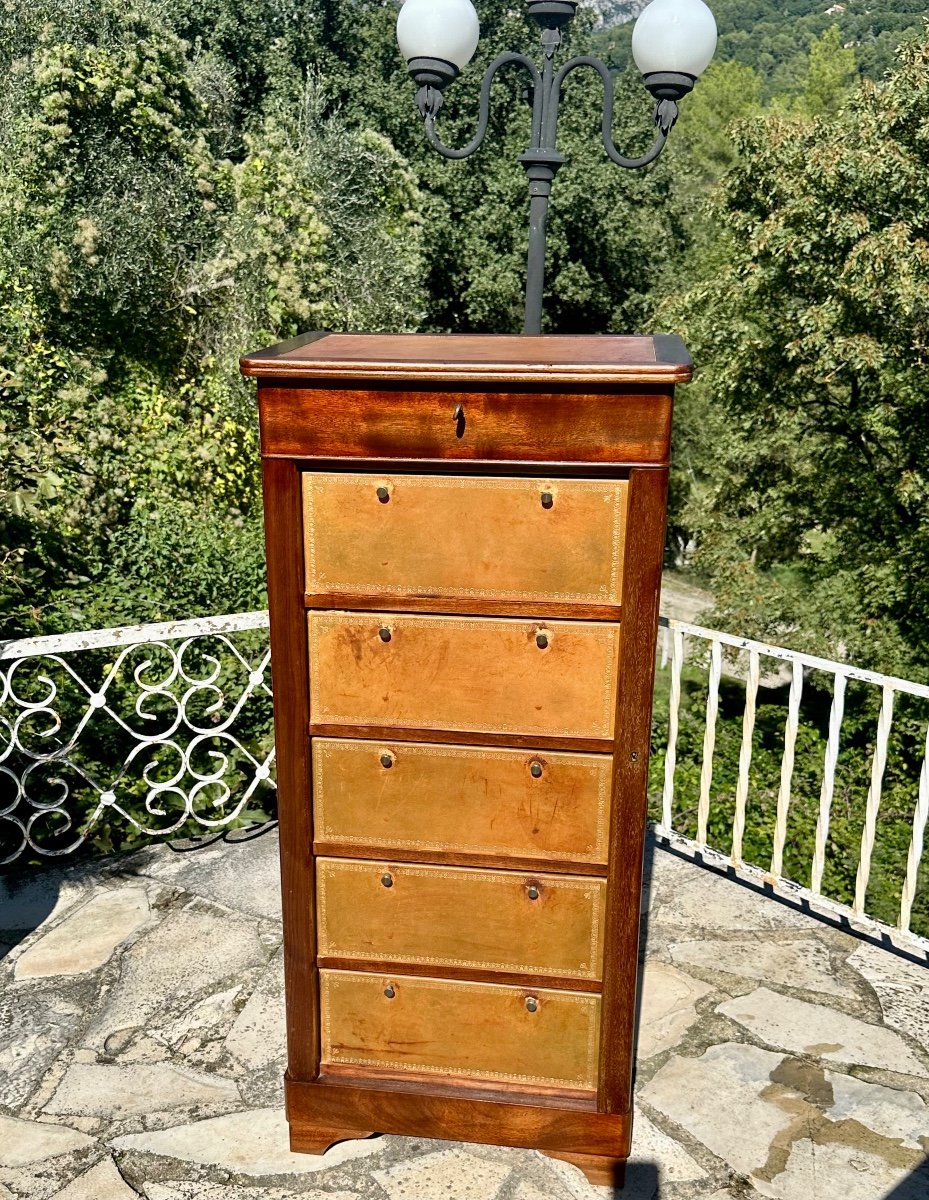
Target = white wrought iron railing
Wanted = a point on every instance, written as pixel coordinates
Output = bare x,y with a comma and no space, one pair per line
148,728
147,731
751,666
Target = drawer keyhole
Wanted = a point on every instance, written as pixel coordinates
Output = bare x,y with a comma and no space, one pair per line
535,770
541,640
387,760
532,892
387,880
383,495
532,1004
389,991
547,500
384,634
459,418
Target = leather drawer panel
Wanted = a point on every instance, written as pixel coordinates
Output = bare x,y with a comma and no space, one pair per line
463,673
469,799
472,1030
458,917
493,539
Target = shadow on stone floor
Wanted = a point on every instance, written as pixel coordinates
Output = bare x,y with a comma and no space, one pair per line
25,902
641,1183
915,1186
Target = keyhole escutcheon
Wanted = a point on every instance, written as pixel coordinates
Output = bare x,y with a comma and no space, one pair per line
459,418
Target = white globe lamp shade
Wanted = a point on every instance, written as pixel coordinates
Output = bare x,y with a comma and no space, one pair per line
674,35
447,30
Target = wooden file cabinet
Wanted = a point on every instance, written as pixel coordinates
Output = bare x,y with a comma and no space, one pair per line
464,540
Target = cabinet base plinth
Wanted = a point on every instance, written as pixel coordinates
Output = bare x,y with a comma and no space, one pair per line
323,1112
599,1169
317,1139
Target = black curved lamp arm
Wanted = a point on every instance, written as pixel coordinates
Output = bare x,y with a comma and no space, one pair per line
502,61
665,114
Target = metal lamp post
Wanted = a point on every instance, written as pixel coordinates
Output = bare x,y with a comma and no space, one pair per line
672,43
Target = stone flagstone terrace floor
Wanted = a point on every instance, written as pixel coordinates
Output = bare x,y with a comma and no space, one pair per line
142,1048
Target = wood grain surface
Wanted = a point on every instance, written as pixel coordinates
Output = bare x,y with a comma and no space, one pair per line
301,422
507,1117
289,659
641,592
481,357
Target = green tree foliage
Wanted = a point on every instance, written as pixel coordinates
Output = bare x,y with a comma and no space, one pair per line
727,92
812,508
774,37
831,72
137,263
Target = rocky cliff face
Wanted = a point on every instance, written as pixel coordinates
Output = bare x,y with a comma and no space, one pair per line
615,12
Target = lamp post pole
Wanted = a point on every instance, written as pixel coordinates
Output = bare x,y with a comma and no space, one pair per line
435,30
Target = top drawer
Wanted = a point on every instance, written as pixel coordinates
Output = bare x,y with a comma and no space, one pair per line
434,536
384,422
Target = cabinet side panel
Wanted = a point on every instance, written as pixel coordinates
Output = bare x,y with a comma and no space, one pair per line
641,594
289,659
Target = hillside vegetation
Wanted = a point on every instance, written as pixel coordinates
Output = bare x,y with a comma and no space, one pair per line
183,182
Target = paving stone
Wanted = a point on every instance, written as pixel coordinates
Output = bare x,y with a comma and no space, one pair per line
192,1189
206,1019
452,1174
833,1171
799,963
23,1143
85,939
244,876
695,900
191,954
258,1037
902,988
888,1111
804,1028
718,1099
528,1191
36,1025
102,1182
254,1142
651,1144
105,1090
669,1000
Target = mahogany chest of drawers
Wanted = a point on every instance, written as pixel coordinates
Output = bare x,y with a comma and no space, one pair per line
464,543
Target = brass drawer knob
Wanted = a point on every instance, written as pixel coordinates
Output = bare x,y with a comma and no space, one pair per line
541,639
387,760
535,770
387,879
532,892
383,495
384,634
389,991
547,500
532,1004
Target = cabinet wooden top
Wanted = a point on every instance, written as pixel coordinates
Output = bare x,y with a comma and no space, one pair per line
476,358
